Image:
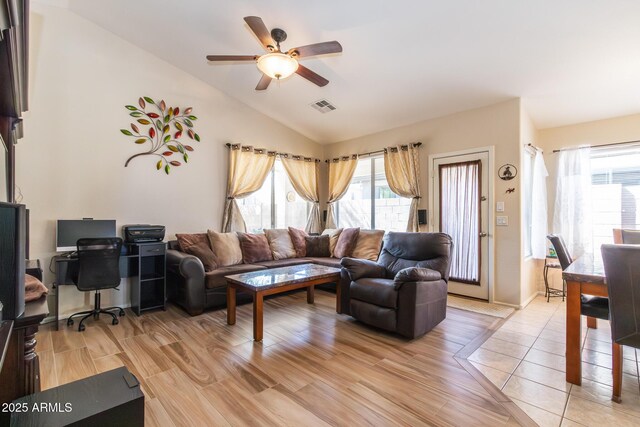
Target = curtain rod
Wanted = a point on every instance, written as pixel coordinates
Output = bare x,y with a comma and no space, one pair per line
598,145
371,153
286,154
534,147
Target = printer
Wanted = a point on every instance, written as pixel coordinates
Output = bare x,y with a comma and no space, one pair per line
142,233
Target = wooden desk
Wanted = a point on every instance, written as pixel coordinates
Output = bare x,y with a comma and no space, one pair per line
584,276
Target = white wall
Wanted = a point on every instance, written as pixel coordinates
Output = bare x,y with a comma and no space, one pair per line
497,125
531,269
70,163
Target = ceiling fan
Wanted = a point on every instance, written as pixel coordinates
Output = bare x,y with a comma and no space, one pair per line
278,64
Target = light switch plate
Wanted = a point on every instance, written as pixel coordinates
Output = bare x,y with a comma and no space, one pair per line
499,206
502,220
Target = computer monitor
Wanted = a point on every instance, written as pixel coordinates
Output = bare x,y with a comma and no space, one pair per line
68,231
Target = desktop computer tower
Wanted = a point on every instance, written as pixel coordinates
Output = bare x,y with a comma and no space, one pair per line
12,258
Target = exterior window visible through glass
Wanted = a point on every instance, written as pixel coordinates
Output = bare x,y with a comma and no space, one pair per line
275,205
615,179
369,202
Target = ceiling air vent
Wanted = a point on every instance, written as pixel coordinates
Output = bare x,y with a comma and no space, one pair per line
323,106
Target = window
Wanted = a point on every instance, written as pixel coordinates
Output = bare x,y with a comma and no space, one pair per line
369,202
275,205
615,191
527,205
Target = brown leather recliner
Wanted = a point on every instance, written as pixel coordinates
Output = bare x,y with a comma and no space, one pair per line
406,290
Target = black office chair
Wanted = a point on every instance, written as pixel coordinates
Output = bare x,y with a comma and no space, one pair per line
98,268
622,270
630,237
591,306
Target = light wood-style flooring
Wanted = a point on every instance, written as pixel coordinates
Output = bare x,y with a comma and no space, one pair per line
313,368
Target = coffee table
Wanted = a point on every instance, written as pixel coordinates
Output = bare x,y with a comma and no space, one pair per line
274,281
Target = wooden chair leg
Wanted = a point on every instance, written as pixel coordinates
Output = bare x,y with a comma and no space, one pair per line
617,372
592,323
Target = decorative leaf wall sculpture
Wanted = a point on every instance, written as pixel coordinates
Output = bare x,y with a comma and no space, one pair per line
155,128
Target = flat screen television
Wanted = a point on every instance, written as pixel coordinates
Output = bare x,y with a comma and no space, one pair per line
13,242
68,231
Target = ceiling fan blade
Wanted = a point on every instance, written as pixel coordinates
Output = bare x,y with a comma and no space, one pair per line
311,76
231,57
260,30
316,49
264,82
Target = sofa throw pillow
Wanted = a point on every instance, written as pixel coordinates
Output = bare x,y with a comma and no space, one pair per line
255,248
225,247
33,288
280,243
299,244
346,242
368,245
317,246
198,245
333,234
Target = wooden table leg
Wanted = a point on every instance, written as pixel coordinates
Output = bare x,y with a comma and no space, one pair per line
310,294
573,337
231,305
338,297
257,316
592,322
617,372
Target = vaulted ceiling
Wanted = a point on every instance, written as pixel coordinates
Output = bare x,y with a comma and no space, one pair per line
403,61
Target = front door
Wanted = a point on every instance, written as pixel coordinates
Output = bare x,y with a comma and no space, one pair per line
460,204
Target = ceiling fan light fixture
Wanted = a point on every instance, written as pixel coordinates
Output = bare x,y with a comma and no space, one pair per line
277,65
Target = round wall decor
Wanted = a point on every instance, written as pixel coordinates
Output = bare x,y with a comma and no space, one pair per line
507,172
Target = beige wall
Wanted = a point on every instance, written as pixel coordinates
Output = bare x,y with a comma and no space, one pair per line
497,125
531,269
71,160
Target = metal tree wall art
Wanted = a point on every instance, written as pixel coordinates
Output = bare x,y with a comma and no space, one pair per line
155,129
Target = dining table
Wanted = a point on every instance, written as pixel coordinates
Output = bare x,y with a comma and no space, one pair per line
585,276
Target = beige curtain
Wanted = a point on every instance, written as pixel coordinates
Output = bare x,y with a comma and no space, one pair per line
303,174
402,169
248,168
340,173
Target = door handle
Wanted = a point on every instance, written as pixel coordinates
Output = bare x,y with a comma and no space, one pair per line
483,234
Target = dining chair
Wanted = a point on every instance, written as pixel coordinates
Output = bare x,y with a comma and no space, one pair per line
591,306
630,237
622,273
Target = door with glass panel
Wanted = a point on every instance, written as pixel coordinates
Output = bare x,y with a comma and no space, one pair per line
460,202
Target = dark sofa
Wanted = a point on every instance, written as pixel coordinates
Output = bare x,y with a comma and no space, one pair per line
195,290
405,291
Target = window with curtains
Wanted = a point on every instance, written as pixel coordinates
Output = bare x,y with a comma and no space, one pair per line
527,205
275,205
369,202
615,191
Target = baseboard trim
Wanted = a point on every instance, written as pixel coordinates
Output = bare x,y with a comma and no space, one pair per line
51,319
516,306
531,298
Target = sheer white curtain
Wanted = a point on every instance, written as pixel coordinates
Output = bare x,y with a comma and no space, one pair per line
539,208
572,212
460,218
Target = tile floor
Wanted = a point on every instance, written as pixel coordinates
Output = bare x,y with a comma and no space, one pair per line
525,358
